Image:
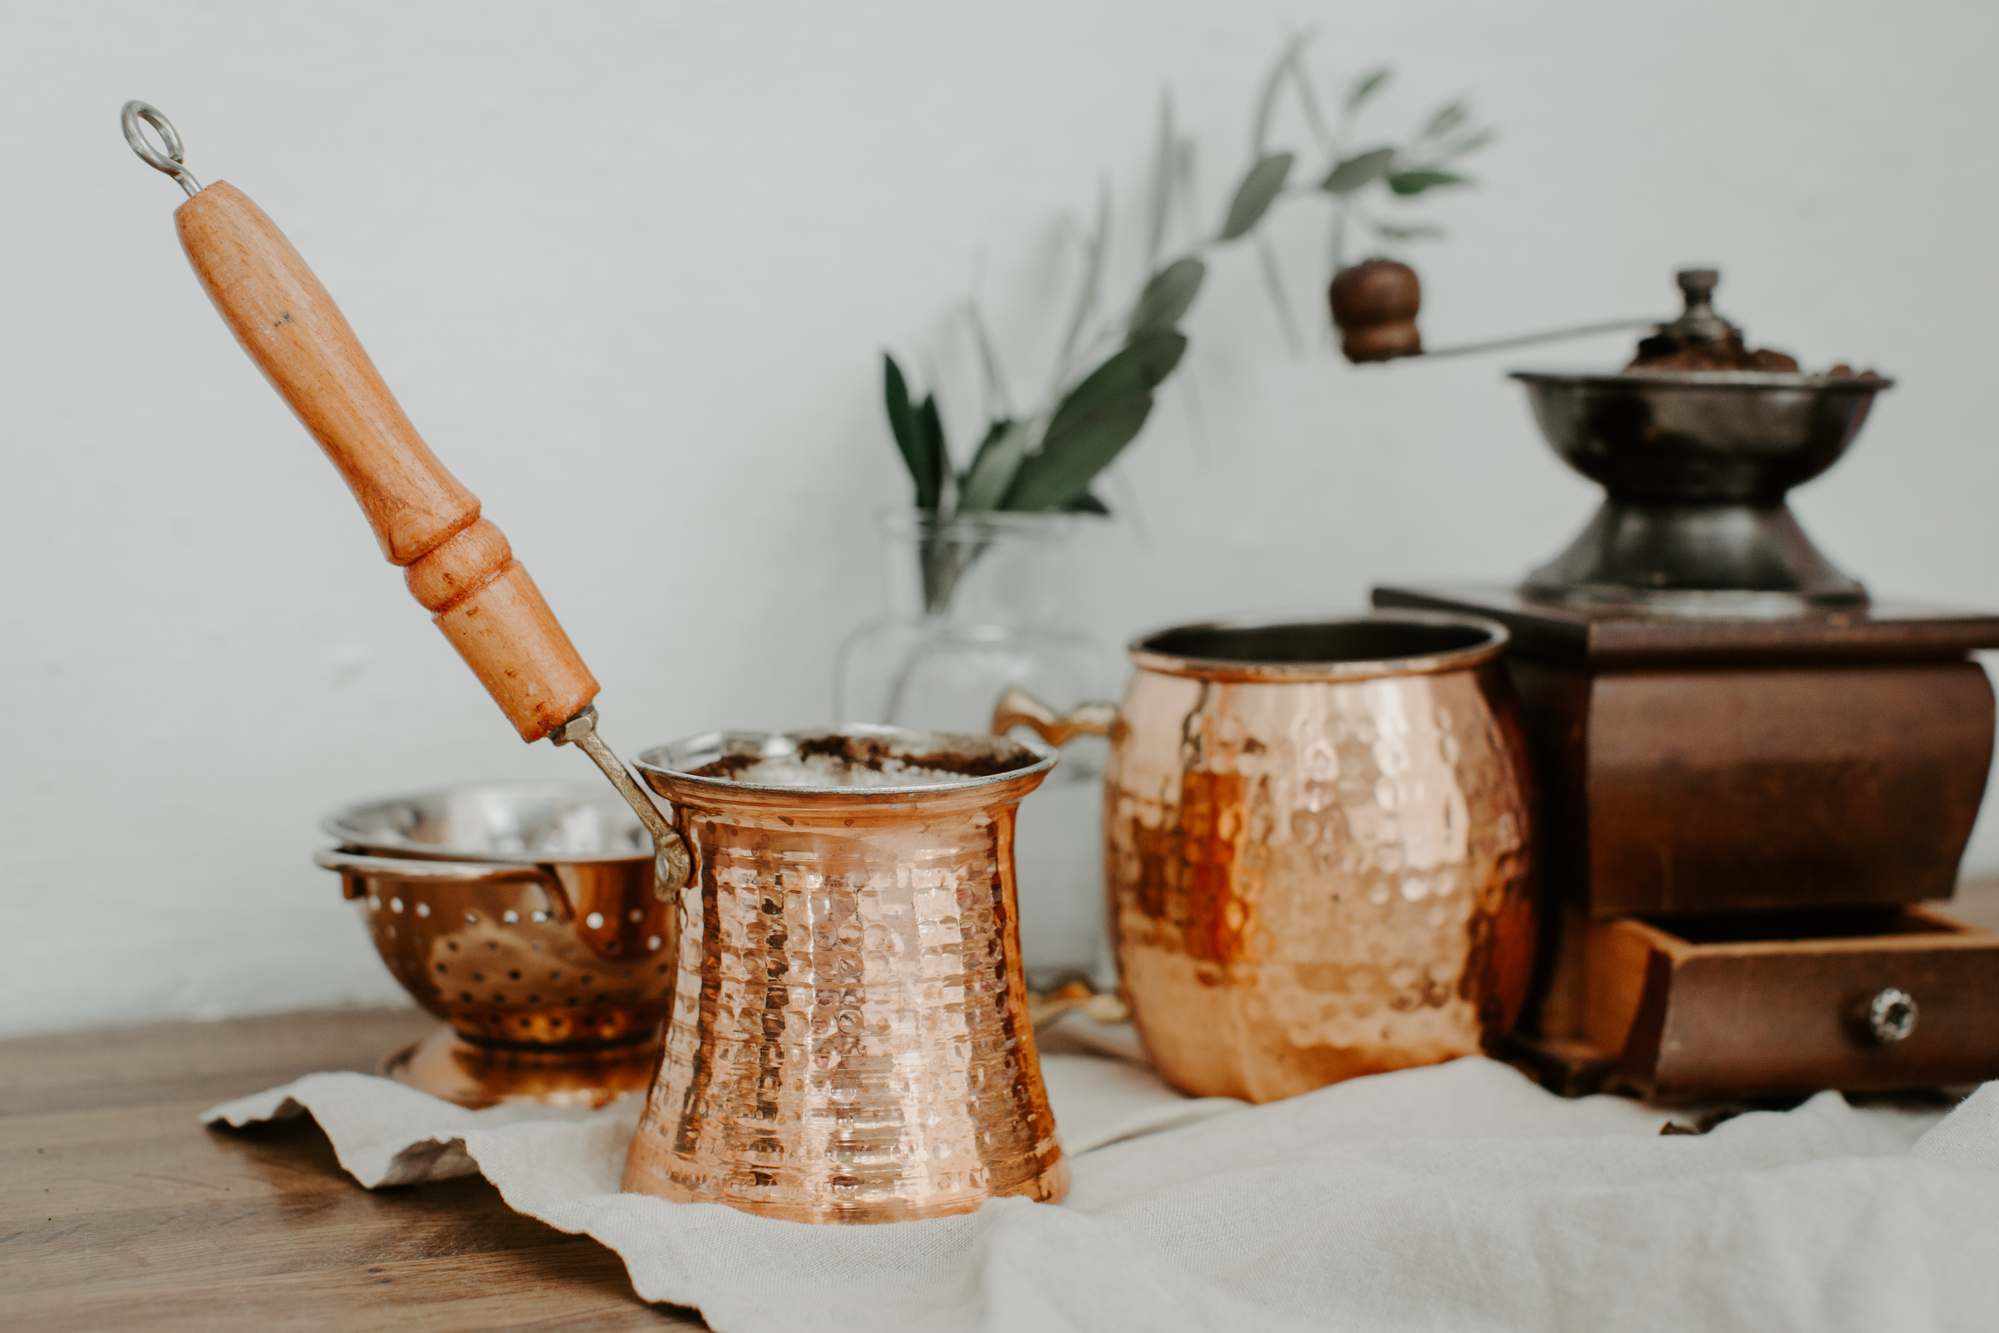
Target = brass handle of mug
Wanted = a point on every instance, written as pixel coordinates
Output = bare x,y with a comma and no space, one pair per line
1018,708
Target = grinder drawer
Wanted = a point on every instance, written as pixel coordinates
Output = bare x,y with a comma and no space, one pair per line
1778,1003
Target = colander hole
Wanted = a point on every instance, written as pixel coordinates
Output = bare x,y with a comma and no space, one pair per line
390,931
571,1001
614,946
478,976
465,995
533,999
395,904
662,969
554,976
595,921
515,975
451,945
498,999
510,916
524,1022
471,918
423,909
374,903
587,978
492,946
631,995
538,918
652,941
440,967
603,999
535,947
637,915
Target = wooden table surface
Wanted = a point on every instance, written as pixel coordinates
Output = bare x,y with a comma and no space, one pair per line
119,1211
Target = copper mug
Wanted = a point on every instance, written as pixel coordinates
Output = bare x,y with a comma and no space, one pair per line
849,1039
1318,838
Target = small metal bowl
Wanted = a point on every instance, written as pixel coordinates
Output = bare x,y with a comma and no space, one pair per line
1695,466
1699,436
525,917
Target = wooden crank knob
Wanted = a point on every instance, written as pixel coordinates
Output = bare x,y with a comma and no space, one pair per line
458,565
1374,307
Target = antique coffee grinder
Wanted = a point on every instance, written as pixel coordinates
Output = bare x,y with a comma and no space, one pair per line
1752,774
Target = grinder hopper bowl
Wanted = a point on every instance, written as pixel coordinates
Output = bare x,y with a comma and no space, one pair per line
1695,462
1752,772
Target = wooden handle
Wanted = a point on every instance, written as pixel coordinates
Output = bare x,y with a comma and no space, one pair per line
459,565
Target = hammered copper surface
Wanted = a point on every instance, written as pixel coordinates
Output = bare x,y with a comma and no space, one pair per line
850,1040
1318,869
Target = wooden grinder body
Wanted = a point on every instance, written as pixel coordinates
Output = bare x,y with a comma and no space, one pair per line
1739,819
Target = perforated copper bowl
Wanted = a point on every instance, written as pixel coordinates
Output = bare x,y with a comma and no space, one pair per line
521,914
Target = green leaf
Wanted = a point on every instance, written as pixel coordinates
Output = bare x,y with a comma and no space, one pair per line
1446,118
1366,86
910,436
1097,419
1415,182
1415,231
1471,143
937,463
1137,368
1071,458
1273,285
989,367
1093,273
993,467
1086,503
1167,295
1163,172
1273,84
1256,193
1308,101
1358,171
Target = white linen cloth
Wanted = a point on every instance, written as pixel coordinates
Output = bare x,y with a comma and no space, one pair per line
1460,1196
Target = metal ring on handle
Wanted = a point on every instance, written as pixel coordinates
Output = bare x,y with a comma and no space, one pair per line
169,162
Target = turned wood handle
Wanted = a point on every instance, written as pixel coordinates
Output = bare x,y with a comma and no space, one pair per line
458,565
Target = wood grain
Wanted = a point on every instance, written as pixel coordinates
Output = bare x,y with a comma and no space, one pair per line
118,1210
459,564
291,328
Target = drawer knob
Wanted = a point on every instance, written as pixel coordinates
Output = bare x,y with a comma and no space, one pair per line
1891,1016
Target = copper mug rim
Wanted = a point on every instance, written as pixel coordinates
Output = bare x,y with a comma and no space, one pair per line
1284,649
982,761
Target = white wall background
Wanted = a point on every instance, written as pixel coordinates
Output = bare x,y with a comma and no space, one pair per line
630,268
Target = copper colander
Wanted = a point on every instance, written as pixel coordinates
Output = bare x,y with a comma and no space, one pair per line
525,917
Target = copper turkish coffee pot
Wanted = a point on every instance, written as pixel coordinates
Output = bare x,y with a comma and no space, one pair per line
849,1038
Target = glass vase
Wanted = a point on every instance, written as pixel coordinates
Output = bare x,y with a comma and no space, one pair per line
976,604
